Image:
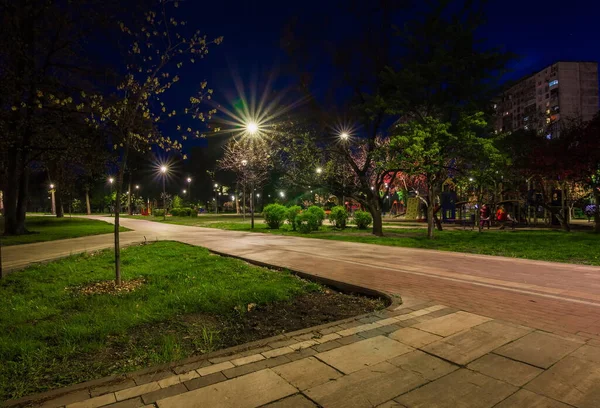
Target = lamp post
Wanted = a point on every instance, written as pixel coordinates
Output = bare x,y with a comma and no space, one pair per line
344,136
189,181
52,191
216,199
111,181
163,170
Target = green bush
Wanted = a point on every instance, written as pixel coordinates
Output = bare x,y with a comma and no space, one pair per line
158,213
318,212
274,215
338,216
177,202
292,213
184,212
307,222
362,219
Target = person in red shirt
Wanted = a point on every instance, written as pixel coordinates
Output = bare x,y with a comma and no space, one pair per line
501,216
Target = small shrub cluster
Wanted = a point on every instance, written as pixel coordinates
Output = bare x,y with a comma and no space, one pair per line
158,212
275,215
184,212
338,216
318,212
307,222
362,219
292,213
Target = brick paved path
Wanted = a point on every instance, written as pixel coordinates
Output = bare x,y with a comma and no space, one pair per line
556,297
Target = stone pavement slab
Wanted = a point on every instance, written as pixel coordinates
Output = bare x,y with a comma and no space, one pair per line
372,386
572,380
295,401
307,373
359,355
528,399
414,337
462,388
450,324
248,391
469,345
539,349
504,369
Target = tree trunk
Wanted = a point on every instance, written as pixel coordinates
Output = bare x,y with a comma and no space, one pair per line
11,226
377,222
252,206
430,220
129,197
60,212
597,213
87,201
117,237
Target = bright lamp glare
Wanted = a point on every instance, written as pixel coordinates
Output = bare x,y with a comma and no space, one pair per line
163,169
252,128
344,136
319,170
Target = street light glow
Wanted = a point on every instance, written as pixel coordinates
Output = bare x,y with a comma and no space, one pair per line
344,136
252,127
319,170
110,180
232,198
189,179
184,191
282,194
258,195
216,185
137,187
163,169
51,185
470,178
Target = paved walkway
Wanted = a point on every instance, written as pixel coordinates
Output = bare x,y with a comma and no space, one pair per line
481,339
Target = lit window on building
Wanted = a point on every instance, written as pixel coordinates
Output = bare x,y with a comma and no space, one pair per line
547,120
552,83
547,111
526,127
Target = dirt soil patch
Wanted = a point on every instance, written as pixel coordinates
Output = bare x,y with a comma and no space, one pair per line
200,333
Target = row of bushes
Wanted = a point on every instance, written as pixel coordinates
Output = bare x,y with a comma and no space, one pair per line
311,219
177,212
184,212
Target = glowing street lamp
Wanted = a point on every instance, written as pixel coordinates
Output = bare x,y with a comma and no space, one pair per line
344,136
189,181
282,194
319,170
252,128
52,191
184,191
111,180
164,169
137,187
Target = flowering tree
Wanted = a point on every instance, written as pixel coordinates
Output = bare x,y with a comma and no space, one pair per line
157,50
250,158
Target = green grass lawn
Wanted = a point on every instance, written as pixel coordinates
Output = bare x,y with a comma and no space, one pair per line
579,247
51,228
52,335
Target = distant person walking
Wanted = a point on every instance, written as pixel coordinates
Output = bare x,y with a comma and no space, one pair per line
501,217
484,216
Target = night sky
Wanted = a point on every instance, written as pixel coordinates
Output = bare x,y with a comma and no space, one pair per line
541,32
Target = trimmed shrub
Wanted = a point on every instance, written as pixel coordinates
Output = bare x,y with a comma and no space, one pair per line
338,216
318,212
307,222
274,215
292,213
363,219
158,213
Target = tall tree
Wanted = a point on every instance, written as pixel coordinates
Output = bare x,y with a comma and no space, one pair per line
157,49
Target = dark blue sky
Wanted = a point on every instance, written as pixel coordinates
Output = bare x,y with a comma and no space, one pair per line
541,32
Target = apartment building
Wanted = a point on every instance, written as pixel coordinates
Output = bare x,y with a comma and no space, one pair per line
564,90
